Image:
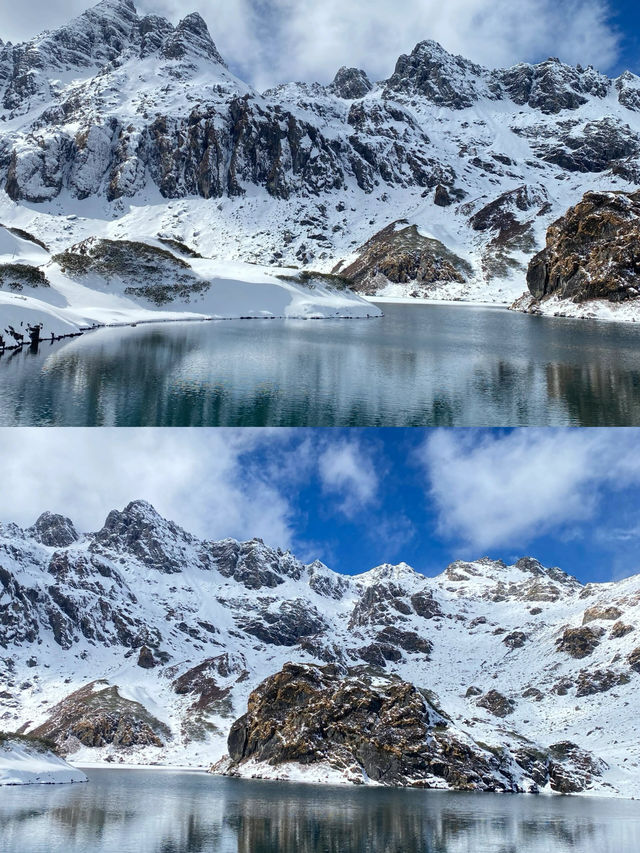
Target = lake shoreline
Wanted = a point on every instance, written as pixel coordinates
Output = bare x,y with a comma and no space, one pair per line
204,771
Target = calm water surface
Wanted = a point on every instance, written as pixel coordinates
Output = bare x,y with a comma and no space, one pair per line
420,365
133,811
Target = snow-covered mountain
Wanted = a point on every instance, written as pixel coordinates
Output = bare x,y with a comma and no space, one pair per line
142,643
118,126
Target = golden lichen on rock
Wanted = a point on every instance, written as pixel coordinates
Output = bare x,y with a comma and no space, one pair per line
592,252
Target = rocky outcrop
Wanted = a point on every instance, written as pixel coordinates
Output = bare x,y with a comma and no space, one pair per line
145,271
97,715
55,531
600,612
578,642
591,252
399,254
379,728
18,276
497,704
351,84
599,681
367,727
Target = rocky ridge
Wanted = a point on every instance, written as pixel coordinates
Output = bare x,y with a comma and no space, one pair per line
140,642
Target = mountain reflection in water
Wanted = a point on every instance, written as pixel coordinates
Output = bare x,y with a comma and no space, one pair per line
420,365
140,811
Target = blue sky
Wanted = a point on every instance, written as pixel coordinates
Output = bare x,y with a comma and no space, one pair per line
271,41
625,17
353,498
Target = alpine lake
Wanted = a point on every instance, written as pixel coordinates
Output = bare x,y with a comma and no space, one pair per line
153,811
419,365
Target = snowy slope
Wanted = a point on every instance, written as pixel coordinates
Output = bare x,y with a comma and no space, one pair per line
22,763
126,127
67,303
140,643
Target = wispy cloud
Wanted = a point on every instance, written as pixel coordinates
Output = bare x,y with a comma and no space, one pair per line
195,477
347,471
505,490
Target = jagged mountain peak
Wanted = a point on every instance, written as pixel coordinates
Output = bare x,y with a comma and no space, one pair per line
54,530
350,84
443,79
402,573
525,580
96,36
140,531
191,38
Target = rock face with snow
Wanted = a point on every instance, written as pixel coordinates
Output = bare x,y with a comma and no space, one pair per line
30,761
399,254
141,642
372,727
138,125
591,252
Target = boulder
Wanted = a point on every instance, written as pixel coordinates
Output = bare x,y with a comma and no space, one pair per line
578,642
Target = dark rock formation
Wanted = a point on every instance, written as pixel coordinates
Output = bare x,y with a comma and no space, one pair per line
96,715
252,564
572,769
383,728
578,642
591,252
515,640
284,626
351,84
620,630
401,255
441,78
599,681
146,659
634,659
139,530
56,531
497,704
592,614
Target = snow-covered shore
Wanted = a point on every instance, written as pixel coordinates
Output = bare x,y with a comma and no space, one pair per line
39,290
594,309
27,763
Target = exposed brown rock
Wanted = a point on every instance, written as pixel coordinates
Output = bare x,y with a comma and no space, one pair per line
515,640
599,612
146,659
620,630
578,642
386,728
591,252
599,681
497,704
97,715
401,255
634,659
571,768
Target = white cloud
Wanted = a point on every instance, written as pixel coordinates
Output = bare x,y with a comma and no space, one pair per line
507,489
193,477
272,41
321,35
346,470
